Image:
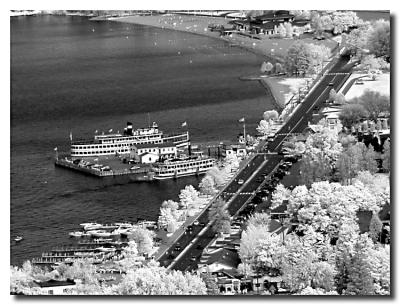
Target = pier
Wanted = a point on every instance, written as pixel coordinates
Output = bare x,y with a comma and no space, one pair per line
142,174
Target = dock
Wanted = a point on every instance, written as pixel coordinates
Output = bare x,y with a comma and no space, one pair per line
141,174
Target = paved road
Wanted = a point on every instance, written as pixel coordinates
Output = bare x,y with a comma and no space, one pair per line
336,76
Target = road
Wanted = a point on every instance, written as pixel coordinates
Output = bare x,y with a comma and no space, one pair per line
193,244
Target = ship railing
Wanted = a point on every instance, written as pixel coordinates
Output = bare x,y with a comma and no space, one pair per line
84,141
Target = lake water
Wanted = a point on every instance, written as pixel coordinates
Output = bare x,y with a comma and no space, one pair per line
69,74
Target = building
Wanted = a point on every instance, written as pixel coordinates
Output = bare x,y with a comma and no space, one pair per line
153,152
55,287
238,150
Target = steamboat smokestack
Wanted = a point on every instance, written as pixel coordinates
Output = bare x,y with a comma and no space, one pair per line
129,128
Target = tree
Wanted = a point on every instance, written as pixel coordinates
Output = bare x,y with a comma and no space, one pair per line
211,283
316,23
281,31
264,128
340,99
298,59
374,103
268,67
207,185
170,204
318,291
155,280
386,155
217,175
278,68
368,162
361,276
375,228
270,115
263,67
280,194
370,62
332,95
356,158
352,114
289,29
188,195
260,249
356,40
343,20
220,217
378,40
143,239
314,169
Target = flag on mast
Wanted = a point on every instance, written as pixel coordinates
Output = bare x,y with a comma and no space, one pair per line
241,120
70,135
55,148
184,124
110,130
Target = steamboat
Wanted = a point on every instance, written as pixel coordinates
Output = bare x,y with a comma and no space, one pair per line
120,144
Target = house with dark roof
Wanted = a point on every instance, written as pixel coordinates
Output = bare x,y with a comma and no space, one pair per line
56,287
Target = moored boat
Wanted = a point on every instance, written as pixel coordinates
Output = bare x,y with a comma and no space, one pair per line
18,238
180,167
100,233
116,143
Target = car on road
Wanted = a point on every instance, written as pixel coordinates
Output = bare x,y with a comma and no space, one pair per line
196,222
240,181
331,84
199,247
359,82
193,258
178,247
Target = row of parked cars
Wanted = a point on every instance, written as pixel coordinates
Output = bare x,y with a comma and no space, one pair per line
268,188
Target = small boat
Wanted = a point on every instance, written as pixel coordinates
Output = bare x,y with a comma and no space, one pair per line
18,238
76,234
91,227
100,233
124,225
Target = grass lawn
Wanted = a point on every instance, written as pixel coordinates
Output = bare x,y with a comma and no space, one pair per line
381,84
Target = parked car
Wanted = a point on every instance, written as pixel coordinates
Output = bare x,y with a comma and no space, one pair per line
240,181
177,247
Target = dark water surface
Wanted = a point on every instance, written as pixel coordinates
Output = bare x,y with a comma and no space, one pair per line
71,74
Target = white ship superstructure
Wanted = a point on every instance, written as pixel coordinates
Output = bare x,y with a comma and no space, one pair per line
179,167
121,144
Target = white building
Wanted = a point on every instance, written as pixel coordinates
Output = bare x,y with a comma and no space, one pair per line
153,152
55,287
238,150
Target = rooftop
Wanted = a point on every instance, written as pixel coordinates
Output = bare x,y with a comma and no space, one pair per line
55,283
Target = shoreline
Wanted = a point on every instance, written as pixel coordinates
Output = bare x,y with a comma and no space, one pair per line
197,25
